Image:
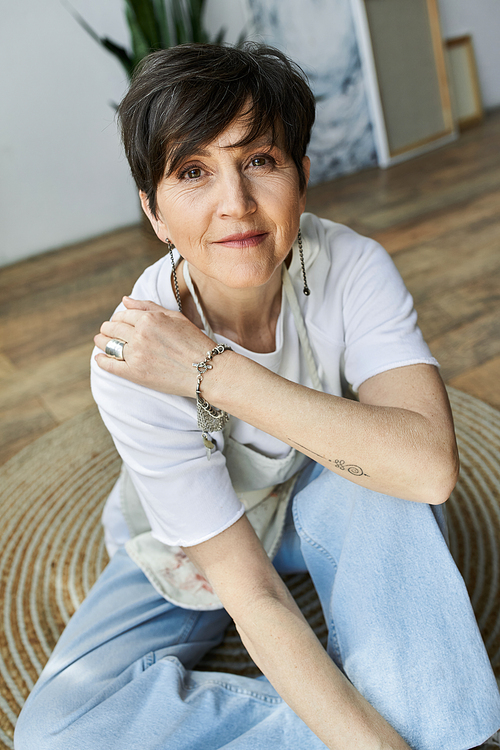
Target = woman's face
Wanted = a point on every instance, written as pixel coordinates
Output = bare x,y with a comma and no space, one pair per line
232,212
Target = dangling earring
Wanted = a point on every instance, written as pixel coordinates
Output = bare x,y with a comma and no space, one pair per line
306,289
170,247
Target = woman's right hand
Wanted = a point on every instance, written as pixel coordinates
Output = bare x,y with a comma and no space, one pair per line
161,346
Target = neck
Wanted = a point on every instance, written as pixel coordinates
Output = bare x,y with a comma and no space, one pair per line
246,316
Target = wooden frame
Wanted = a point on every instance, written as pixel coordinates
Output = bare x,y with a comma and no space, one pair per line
382,99
464,83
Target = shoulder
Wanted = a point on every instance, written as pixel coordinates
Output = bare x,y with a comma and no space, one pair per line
340,263
132,403
329,242
154,284
358,303
352,274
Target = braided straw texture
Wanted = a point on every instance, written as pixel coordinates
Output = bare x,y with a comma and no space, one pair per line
52,548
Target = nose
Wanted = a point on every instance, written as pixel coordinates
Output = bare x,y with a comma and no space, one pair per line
236,199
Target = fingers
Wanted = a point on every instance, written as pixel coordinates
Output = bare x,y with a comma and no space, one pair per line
117,330
132,316
114,366
145,305
124,324
101,340
128,316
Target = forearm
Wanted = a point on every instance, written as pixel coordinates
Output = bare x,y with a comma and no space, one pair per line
392,450
283,645
285,648
398,440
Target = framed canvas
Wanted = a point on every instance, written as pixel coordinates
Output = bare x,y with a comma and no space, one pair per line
464,84
404,65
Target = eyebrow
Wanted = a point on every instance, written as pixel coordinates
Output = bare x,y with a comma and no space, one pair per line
258,143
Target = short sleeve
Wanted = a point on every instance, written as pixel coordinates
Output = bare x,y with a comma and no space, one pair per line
186,498
380,322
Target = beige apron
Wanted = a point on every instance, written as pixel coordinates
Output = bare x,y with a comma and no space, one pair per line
168,568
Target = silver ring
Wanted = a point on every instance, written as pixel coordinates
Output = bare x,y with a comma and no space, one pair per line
114,348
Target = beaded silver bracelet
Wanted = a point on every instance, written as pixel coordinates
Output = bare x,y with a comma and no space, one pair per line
209,418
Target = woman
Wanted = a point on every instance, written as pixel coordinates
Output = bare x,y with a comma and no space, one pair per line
276,309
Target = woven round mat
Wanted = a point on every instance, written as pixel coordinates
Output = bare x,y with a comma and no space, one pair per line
52,548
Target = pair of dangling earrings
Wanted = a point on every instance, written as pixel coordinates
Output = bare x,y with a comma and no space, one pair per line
170,247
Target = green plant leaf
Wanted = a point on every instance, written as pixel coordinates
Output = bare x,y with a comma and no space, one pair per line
122,55
242,38
181,22
144,16
196,14
83,23
156,24
140,45
219,38
162,23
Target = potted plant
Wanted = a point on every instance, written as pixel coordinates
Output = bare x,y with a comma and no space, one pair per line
156,24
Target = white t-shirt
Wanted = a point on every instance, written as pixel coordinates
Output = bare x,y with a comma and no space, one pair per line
360,322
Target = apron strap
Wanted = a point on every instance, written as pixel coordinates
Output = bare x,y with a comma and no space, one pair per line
190,286
301,328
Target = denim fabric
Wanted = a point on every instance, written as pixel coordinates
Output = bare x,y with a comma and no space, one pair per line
400,626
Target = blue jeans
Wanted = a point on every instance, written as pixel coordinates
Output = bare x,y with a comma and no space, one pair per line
400,626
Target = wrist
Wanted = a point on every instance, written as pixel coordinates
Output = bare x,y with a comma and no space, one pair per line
204,365
210,418
219,381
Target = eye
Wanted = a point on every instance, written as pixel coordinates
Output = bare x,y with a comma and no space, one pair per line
193,173
259,161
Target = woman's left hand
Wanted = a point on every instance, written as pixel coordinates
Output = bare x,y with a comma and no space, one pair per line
160,347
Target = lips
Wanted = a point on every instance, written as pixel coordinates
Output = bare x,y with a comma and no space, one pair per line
243,239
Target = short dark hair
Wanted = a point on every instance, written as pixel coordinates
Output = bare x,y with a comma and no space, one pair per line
180,99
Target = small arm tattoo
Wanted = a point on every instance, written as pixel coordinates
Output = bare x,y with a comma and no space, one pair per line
357,471
353,469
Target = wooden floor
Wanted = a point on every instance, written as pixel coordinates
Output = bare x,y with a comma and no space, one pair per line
438,215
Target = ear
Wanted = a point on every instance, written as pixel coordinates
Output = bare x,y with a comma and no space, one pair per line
306,165
157,224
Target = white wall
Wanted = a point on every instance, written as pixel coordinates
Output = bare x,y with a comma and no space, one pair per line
63,177
481,19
